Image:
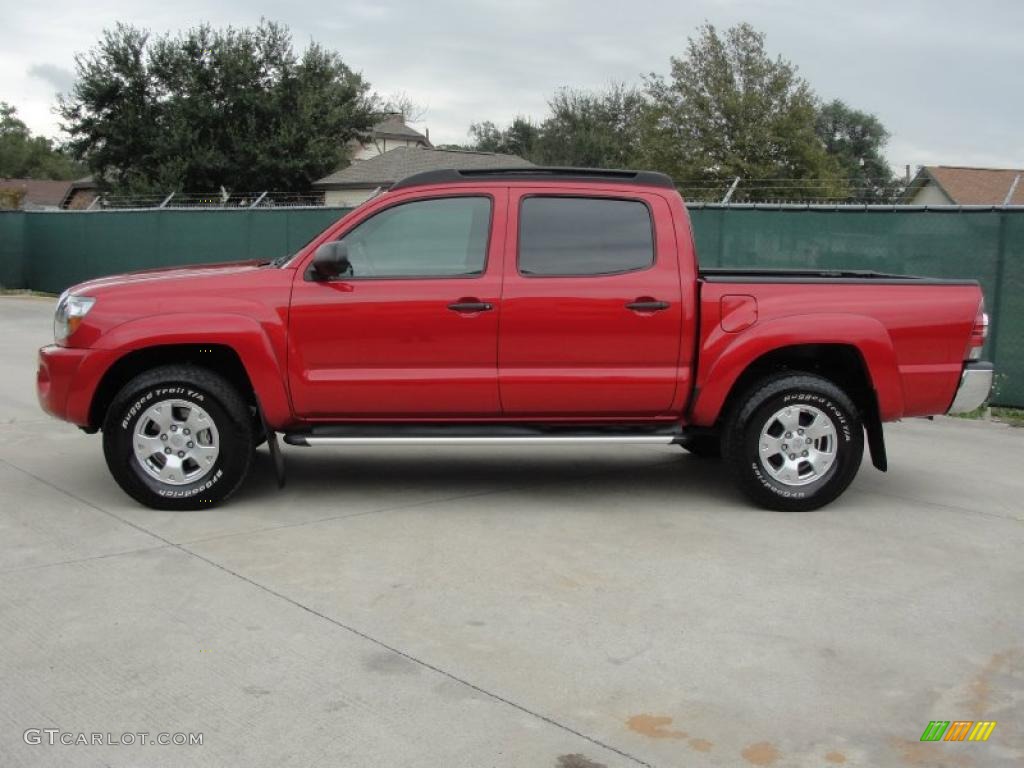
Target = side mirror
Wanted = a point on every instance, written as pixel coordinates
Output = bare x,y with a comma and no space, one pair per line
331,260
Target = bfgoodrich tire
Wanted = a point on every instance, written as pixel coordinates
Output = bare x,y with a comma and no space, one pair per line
794,443
178,437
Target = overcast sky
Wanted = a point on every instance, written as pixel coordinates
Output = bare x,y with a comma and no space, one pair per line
942,76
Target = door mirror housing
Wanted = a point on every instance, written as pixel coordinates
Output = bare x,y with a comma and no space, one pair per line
331,260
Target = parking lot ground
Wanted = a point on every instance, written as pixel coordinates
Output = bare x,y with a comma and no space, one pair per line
546,608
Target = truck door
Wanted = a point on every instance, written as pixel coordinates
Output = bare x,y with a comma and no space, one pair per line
411,330
591,305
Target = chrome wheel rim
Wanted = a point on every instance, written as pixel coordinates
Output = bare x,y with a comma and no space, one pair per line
176,442
798,445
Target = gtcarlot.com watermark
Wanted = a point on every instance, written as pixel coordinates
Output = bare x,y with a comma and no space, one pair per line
55,736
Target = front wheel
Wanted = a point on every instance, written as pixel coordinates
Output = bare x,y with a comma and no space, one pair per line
795,442
178,437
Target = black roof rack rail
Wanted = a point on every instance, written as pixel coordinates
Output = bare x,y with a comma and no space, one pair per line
532,173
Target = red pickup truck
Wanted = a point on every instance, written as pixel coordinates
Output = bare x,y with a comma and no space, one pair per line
523,306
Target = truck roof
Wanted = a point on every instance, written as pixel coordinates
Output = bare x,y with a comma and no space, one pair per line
534,173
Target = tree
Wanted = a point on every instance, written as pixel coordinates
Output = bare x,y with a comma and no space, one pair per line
401,103
728,109
235,108
519,138
855,140
24,156
592,129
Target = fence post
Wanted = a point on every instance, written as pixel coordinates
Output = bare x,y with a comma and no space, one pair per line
728,195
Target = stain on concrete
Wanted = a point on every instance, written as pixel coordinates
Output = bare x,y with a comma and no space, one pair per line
701,745
761,753
475,623
654,727
255,690
980,689
836,758
924,753
577,761
389,663
335,706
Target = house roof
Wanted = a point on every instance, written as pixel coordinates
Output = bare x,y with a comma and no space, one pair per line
42,193
395,164
394,127
972,186
87,183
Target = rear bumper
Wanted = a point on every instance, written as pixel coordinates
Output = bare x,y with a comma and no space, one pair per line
975,385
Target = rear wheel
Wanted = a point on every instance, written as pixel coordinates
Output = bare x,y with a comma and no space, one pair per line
795,442
178,437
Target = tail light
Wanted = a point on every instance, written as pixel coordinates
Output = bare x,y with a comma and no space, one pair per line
978,334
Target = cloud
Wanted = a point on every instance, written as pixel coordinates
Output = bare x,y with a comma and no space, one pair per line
61,79
939,75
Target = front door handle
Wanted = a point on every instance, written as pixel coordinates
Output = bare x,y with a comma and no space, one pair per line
470,306
647,305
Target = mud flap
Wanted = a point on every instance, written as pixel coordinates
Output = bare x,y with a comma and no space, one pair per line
876,439
275,450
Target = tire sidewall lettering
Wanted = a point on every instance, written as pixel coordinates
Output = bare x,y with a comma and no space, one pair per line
139,404
189,492
136,408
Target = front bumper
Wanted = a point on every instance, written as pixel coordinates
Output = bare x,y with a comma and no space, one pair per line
66,380
975,385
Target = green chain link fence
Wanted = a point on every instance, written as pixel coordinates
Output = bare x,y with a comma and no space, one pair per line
50,251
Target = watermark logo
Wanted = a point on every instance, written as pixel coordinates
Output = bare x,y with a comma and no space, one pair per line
958,730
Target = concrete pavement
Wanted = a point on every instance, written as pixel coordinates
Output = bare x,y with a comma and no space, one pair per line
613,606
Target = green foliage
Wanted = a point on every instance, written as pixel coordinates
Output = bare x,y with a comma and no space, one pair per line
518,139
855,140
728,109
592,129
208,108
24,156
10,199
1012,416
596,129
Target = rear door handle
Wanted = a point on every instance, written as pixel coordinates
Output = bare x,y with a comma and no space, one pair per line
648,306
470,306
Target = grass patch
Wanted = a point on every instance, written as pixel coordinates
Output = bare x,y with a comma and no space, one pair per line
981,412
26,292
1012,416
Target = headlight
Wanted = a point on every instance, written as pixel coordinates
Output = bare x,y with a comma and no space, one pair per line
70,311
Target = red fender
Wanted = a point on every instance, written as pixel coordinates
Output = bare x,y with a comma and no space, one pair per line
247,337
725,356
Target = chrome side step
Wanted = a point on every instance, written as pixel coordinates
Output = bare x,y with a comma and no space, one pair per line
618,439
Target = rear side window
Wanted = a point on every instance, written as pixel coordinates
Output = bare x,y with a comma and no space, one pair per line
584,236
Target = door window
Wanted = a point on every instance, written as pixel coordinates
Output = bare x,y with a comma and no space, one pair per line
446,237
579,236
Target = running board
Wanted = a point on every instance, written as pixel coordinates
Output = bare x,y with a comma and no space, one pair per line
483,434
311,440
